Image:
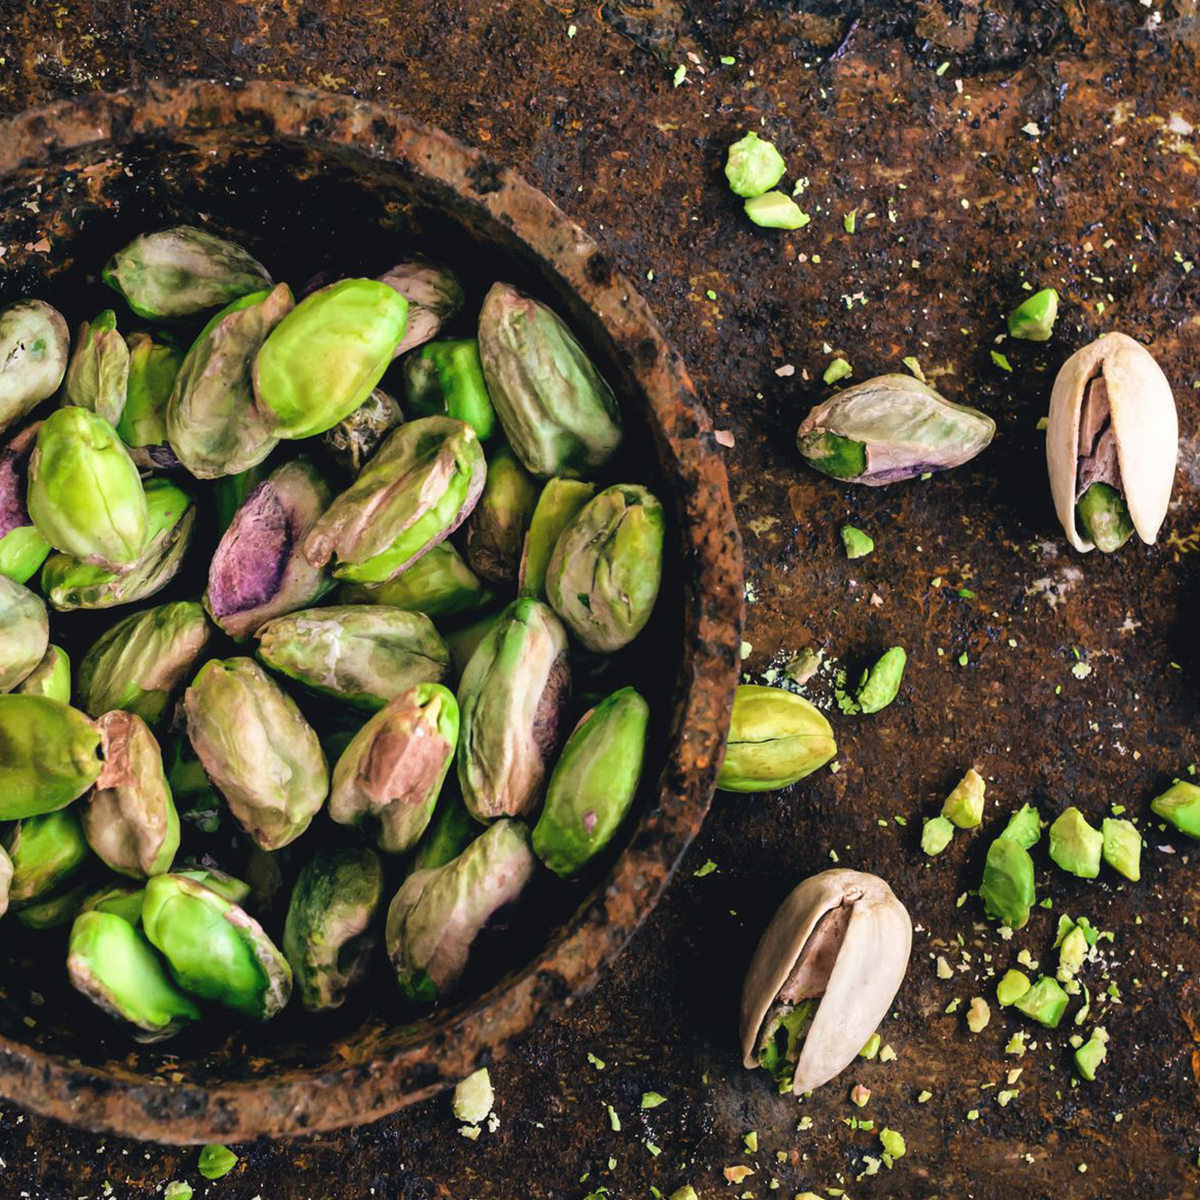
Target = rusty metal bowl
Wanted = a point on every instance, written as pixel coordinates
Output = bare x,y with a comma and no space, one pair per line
308,181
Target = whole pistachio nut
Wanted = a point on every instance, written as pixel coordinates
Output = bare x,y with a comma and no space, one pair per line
446,379
129,817
606,568
495,530
24,633
138,664
214,949
450,832
434,296
557,506
98,373
49,755
1112,426
6,872
153,369
594,783
437,914
890,428
236,891
823,977
1007,889
511,698
45,850
51,677
259,570
22,548
420,486
170,524
364,654
257,749
182,270
355,438
124,899
439,584
559,415
34,344
388,779
114,966
327,355
775,738
329,936
213,424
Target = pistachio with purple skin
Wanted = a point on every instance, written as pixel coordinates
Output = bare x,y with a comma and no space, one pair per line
22,548
34,345
434,296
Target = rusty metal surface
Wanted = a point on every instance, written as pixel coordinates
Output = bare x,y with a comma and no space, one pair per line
1066,155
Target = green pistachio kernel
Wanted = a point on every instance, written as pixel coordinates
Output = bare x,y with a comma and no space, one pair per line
1075,845
753,166
1033,319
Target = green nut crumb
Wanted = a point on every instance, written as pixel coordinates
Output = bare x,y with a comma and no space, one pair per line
753,166
915,367
850,220
598,1063
1006,1097
887,1054
1016,1044
774,210
973,1115
859,1095
653,1099
857,543
1001,361
216,1161
750,1140
964,805
1012,987
881,683
936,835
614,1120
840,368
707,869
1033,319
871,1049
1091,1054
687,1192
473,1097
177,1189
892,1142
923,1097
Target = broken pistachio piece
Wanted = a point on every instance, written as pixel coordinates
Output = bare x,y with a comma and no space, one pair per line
438,584
22,548
113,965
880,684
446,379
1179,806
594,783
1112,422
1007,889
215,1162
1024,827
891,428
49,755
420,486
51,677
1091,1054
775,738
1075,845
98,373
775,210
34,344
857,543
153,369
1045,1002
450,832
215,950
45,851
557,506
355,438
511,698
180,271
495,530
964,805
1012,986
558,413
1072,951
434,296
474,1097
329,934
753,166
437,914
842,940
24,633
1122,847
1033,319
936,835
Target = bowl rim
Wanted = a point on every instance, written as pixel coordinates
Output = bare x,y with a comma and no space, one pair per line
113,1099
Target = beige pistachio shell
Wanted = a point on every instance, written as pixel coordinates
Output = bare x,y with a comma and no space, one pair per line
866,971
1145,429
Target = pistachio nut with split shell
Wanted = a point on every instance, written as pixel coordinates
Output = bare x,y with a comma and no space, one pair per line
823,977
1111,443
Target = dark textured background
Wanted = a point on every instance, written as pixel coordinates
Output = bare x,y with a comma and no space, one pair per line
1055,147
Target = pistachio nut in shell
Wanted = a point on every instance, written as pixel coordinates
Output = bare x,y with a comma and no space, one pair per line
49,755
24,632
51,677
1112,422
495,530
446,378
434,296
776,737
329,936
353,440
439,584
557,506
98,373
153,369
22,548
34,344
45,851
841,939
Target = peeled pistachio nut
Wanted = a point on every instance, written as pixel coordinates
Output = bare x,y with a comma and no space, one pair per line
182,270
437,914
45,851
51,677
388,779
420,486
594,783
511,698
98,373
329,935
24,633
215,950
355,438
753,166
557,506
1179,806
775,738
1122,847
1007,889
364,654
823,977
1112,425
257,748
1033,319
890,428
34,342
558,413
1075,845
78,459
49,755
22,548
964,805
495,530
327,355
450,832
259,570
113,965
153,369
606,568
446,379
434,296
140,662
439,584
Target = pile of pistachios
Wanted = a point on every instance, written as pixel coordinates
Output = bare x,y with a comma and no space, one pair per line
272,573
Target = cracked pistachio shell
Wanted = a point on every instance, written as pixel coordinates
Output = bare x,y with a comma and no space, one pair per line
775,738
511,698
420,486
844,939
594,783
495,531
1112,421
49,755
259,570
170,524
434,296
557,506
129,818
153,369
329,936
51,677
139,663
214,949
34,344
98,373
182,270
364,654
213,424
450,832
45,851
606,568
22,548
890,428
355,438
85,494
257,748
114,966
24,633
446,379
558,413
437,914
327,356
387,781
438,584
